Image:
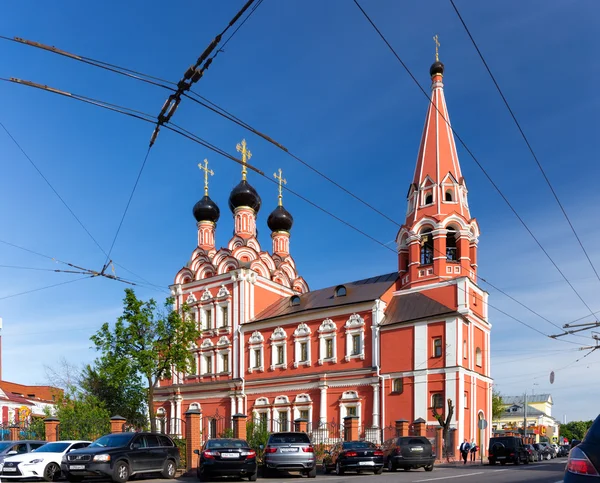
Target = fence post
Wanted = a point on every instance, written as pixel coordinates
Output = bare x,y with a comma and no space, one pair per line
351,428
117,424
419,425
14,432
301,425
51,429
401,427
439,444
239,426
192,436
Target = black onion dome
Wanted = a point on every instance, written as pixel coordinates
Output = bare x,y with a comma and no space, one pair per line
206,210
436,68
244,195
280,219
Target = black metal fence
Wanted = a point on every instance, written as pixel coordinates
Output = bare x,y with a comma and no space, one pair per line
22,430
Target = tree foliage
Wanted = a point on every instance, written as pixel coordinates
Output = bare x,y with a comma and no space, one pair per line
81,415
575,429
154,342
257,435
497,406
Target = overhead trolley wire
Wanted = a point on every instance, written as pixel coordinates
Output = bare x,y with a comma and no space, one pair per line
472,155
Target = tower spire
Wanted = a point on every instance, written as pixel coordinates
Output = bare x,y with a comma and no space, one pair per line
437,45
246,155
206,173
280,180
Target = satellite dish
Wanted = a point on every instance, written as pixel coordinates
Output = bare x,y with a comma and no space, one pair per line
552,377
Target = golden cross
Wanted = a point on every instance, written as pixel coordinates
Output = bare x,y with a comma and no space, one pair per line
437,45
206,173
281,182
246,155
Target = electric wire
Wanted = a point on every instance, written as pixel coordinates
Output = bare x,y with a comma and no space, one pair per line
44,288
191,136
472,155
537,161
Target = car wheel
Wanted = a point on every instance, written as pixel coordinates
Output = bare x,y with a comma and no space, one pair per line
548,457
169,470
202,476
390,465
379,470
51,472
312,473
121,472
429,468
338,469
252,477
518,460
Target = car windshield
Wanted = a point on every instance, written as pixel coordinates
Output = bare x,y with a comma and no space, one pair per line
113,440
52,448
290,438
358,445
226,443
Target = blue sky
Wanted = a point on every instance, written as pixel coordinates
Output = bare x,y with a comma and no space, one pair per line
314,76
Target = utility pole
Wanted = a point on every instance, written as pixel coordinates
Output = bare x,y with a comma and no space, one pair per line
525,416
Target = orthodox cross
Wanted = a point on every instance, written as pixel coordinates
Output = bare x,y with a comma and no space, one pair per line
281,181
246,155
437,45
206,173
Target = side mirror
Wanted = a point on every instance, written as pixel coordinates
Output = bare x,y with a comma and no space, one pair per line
196,451
11,452
261,446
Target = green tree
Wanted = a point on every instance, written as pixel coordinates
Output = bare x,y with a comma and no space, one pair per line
119,386
445,424
257,435
154,342
575,429
497,407
81,415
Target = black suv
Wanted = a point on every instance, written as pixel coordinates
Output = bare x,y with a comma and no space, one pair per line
121,455
509,449
408,452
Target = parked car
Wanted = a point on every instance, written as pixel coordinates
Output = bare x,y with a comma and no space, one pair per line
575,442
584,459
532,453
353,456
550,449
507,449
408,452
563,450
289,452
120,455
226,457
42,463
9,448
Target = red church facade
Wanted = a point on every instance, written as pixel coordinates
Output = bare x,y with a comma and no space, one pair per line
391,347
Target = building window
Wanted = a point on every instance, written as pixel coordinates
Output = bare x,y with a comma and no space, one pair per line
302,345
304,414
263,420
303,351
206,319
426,247
428,198
280,355
437,347
451,248
257,358
466,401
355,345
295,300
478,358
225,362
351,411
328,348
398,386
449,196
465,355
193,370
340,291
355,337
283,421
208,364
437,401
224,316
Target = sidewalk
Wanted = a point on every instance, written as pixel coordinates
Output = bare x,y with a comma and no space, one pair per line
458,462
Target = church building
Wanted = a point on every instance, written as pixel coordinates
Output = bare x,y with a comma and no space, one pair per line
396,346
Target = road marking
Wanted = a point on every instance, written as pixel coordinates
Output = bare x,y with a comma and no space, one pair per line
451,477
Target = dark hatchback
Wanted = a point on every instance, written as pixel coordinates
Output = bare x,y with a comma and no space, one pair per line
408,452
121,455
356,456
583,464
226,457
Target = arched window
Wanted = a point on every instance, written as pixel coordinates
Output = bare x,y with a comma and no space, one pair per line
340,291
426,247
428,198
398,386
437,400
451,248
295,300
448,196
478,357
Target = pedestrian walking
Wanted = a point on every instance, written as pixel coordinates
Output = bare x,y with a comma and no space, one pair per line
473,450
464,450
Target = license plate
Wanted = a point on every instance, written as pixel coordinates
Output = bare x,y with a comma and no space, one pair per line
77,467
366,463
501,457
6,470
230,455
289,450
417,448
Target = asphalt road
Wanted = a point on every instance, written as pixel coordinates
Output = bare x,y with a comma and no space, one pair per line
541,472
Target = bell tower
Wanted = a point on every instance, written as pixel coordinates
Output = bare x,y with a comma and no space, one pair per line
438,240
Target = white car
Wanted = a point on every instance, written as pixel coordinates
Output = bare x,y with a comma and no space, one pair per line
42,463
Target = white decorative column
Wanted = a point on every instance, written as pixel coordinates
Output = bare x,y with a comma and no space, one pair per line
375,387
233,410
178,399
240,405
172,418
323,405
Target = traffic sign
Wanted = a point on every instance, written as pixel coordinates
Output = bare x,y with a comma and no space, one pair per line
482,424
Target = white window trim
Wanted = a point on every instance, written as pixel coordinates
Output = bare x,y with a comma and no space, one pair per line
220,368
256,341
307,406
219,319
301,335
327,330
278,339
344,405
204,324
263,410
355,325
204,369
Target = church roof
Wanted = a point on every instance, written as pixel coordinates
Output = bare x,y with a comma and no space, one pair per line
533,398
356,292
41,393
413,306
